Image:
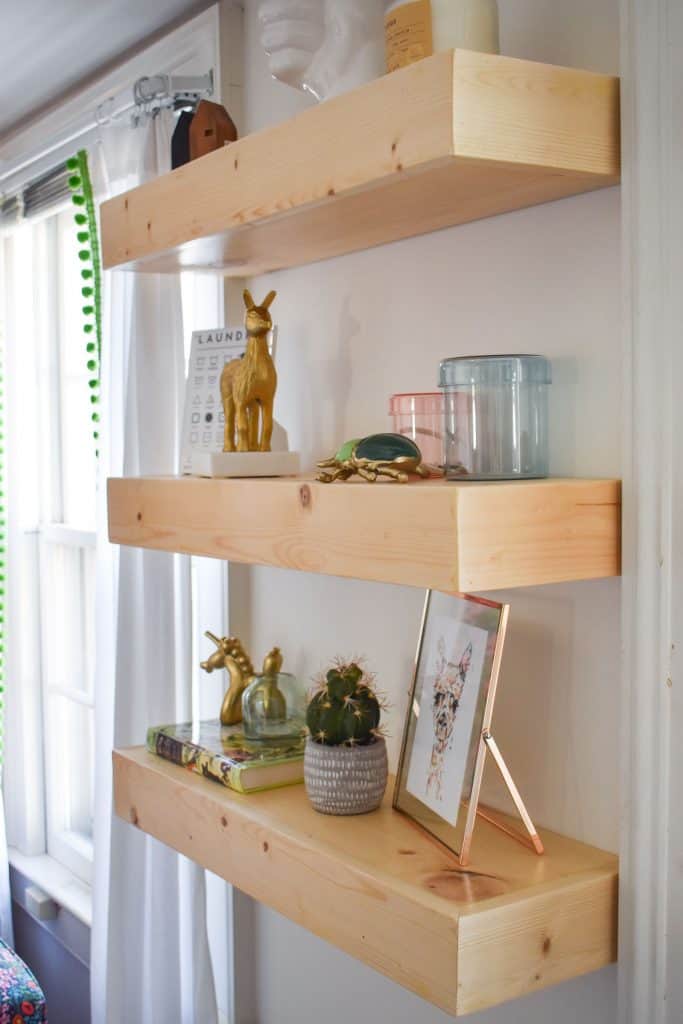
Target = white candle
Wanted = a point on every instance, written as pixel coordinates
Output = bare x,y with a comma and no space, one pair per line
468,24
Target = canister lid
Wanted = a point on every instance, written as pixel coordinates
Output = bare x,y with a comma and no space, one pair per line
461,371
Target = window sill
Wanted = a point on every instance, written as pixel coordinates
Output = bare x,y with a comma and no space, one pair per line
57,881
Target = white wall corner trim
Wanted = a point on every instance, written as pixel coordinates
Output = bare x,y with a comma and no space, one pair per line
651,898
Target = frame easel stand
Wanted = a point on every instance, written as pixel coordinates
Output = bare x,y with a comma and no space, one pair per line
531,838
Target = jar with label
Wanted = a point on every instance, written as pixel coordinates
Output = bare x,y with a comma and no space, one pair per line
414,29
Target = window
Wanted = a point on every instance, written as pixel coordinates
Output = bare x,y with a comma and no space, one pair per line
52,502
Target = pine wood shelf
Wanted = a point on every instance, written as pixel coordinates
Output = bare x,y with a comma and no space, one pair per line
378,888
451,139
448,536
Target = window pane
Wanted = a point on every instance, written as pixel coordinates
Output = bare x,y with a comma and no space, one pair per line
67,587
69,735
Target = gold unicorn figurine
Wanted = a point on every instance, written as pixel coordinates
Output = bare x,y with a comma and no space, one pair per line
230,655
248,385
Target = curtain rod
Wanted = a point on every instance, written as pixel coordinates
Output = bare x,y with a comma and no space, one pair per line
152,92
149,93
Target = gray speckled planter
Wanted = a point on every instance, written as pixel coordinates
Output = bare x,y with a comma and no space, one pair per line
345,780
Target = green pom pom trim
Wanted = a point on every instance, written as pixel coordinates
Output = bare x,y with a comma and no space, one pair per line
82,196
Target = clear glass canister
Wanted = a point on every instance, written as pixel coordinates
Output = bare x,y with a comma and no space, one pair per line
420,417
495,416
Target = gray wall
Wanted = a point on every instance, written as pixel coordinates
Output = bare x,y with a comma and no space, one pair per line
58,953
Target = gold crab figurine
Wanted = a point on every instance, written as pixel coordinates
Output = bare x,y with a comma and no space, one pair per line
389,455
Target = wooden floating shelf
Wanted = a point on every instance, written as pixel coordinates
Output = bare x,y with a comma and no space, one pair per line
451,139
378,888
448,536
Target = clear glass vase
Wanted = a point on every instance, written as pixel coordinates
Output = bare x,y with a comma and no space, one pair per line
274,708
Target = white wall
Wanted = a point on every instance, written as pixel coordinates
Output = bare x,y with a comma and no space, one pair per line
356,329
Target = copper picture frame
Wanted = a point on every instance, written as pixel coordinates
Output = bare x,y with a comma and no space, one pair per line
440,789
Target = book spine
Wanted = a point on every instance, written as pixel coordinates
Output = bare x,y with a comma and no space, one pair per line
228,772
165,746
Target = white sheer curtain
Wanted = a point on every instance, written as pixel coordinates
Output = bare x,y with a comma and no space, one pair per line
150,955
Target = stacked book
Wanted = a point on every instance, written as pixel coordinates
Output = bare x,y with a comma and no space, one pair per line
224,754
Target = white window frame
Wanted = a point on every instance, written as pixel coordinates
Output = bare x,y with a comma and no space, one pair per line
42,824
71,849
71,125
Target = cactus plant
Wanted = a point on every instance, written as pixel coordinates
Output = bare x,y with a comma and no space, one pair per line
344,710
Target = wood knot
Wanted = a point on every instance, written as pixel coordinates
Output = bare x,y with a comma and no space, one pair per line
224,822
265,847
236,163
133,816
407,853
149,225
394,147
463,886
331,192
305,495
139,517
546,945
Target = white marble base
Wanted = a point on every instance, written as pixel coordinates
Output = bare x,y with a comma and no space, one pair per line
225,464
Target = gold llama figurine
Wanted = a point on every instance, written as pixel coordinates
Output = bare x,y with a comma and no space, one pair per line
248,385
230,655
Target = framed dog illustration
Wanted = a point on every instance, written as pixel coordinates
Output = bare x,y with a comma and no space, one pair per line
448,727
